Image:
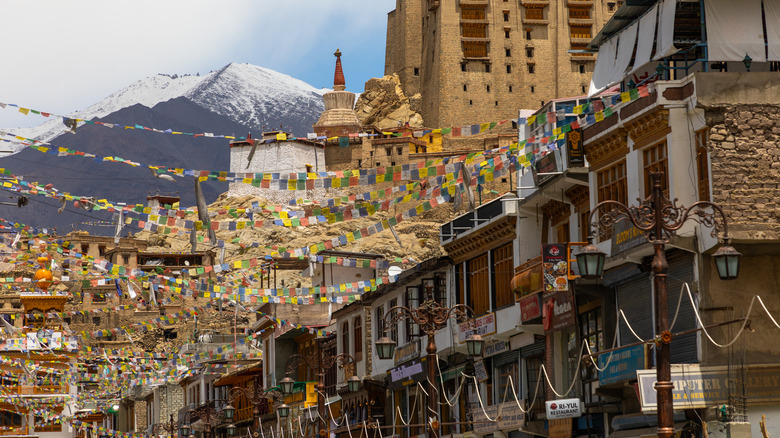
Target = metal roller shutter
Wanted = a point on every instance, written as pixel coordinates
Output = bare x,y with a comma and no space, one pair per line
635,297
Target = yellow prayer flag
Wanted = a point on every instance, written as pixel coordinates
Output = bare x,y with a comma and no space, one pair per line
625,96
24,111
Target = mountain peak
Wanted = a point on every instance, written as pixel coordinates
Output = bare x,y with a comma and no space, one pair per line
248,94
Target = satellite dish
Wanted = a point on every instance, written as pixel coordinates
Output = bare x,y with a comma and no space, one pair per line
394,271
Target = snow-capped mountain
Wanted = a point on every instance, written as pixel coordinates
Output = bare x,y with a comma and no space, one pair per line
235,100
247,94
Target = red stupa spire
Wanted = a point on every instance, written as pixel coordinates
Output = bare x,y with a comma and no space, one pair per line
339,83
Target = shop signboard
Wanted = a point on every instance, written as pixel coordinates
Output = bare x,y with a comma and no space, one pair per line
407,352
698,386
558,311
556,267
507,416
530,307
574,150
407,374
625,236
483,326
565,408
495,348
480,371
621,364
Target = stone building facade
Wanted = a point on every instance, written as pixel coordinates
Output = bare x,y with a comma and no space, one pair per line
475,61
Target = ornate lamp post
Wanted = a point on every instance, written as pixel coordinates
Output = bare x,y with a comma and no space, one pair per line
203,413
430,316
320,363
256,397
172,427
659,218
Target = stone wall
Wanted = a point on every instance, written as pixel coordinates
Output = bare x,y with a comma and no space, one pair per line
140,416
744,144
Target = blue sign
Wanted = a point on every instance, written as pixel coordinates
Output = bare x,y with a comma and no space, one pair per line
622,365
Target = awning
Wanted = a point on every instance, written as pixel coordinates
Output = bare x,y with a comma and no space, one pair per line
644,432
452,373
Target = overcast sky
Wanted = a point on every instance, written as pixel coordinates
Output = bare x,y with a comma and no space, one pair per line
64,56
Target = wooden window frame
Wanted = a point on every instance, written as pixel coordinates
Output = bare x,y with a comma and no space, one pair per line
655,158
357,329
502,264
479,284
703,165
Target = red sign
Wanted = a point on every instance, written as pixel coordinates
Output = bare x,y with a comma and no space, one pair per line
530,308
558,311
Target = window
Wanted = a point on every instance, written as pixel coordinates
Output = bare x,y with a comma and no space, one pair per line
487,88
417,71
508,53
534,13
611,183
529,52
472,13
503,271
510,88
611,6
471,102
531,68
358,329
412,302
655,160
528,34
506,15
496,103
579,13
475,49
562,232
388,151
345,337
532,88
582,88
393,328
96,320
582,68
507,374
10,419
380,323
509,68
702,165
479,284
465,88
463,67
487,68
580,32
473,30
400,150
506,33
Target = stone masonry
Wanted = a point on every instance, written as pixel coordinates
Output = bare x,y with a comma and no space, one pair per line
476,61
744,143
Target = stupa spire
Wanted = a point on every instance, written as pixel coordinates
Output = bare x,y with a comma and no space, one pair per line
339,83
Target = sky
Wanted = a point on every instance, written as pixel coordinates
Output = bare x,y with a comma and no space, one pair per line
60,57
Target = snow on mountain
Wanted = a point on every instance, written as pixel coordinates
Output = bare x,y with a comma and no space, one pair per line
251,95
248,94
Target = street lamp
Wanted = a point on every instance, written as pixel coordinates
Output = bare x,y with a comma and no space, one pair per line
171,427
658,218
203,413
320,363
429,316
258,393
